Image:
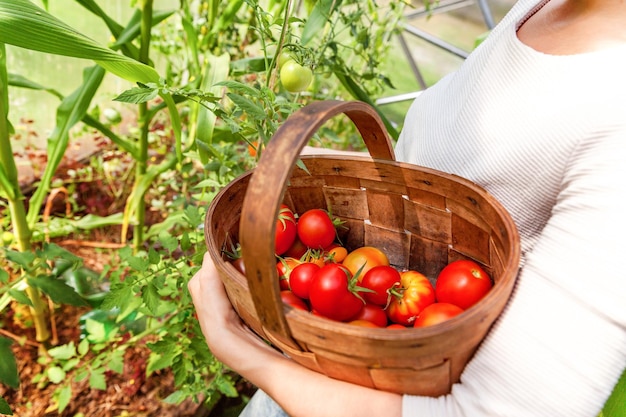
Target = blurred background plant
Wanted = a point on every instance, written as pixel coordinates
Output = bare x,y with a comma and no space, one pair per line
206,84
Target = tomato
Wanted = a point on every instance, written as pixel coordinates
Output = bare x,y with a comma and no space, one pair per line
336,253
283,58
285,230
297,249
315,256
284,266
436,313
364,259
372,313
334,293
415,293
301,277
396,326
462,283
239,265
363,323
380,279
295,77
293,300
316,229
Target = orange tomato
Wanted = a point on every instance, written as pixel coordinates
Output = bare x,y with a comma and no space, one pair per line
363,259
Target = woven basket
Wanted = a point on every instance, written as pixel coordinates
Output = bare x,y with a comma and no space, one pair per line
421,218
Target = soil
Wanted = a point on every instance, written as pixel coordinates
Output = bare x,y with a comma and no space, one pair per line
128,394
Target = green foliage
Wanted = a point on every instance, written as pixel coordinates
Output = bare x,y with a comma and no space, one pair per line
219,83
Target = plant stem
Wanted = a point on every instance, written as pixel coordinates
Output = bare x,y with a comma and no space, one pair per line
16,200
144,125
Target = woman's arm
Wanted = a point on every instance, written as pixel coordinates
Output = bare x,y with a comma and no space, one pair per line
298,390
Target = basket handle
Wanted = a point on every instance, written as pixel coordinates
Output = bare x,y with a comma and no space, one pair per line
266,191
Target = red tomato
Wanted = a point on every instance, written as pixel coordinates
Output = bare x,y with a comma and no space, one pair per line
363,323
316,229
293,300
415,293
396,326
462,283
297,249
372,313
239,265
284,266
364,259
301,277
380,279
333,293
285,230
436,313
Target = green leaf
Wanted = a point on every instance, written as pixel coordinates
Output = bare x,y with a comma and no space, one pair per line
159,361
83,347
56,375
176,397
20,296
8,365
4,276
615,406
63,352
97,380
116,361
64,397
58,291
4,407
23,259
248,106
137,263
28,26
193,216
150,296
137,95
318,18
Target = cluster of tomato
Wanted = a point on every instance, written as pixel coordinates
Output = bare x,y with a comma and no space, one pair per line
360,287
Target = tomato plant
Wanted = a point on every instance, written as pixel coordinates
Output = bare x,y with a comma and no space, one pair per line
295,77
436,313
362,259
334,293
285,230
316,229
408,300
462,283
301,277
380,279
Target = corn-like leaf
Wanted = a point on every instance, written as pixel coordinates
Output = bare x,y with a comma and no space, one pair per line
26,25
216,71
70,111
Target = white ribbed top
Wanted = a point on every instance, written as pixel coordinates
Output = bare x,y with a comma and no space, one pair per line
546,135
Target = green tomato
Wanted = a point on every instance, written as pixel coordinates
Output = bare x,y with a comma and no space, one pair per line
283,58
294,77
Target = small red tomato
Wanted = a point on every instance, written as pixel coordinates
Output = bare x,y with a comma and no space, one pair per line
286,230
380,279
293,300
462,283
284,266
372,313
301,277
297,249
396,326
436,313
316,229
334,293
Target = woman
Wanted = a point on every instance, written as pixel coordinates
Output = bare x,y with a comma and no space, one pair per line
537,116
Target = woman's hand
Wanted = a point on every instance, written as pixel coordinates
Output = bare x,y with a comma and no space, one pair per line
229,339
